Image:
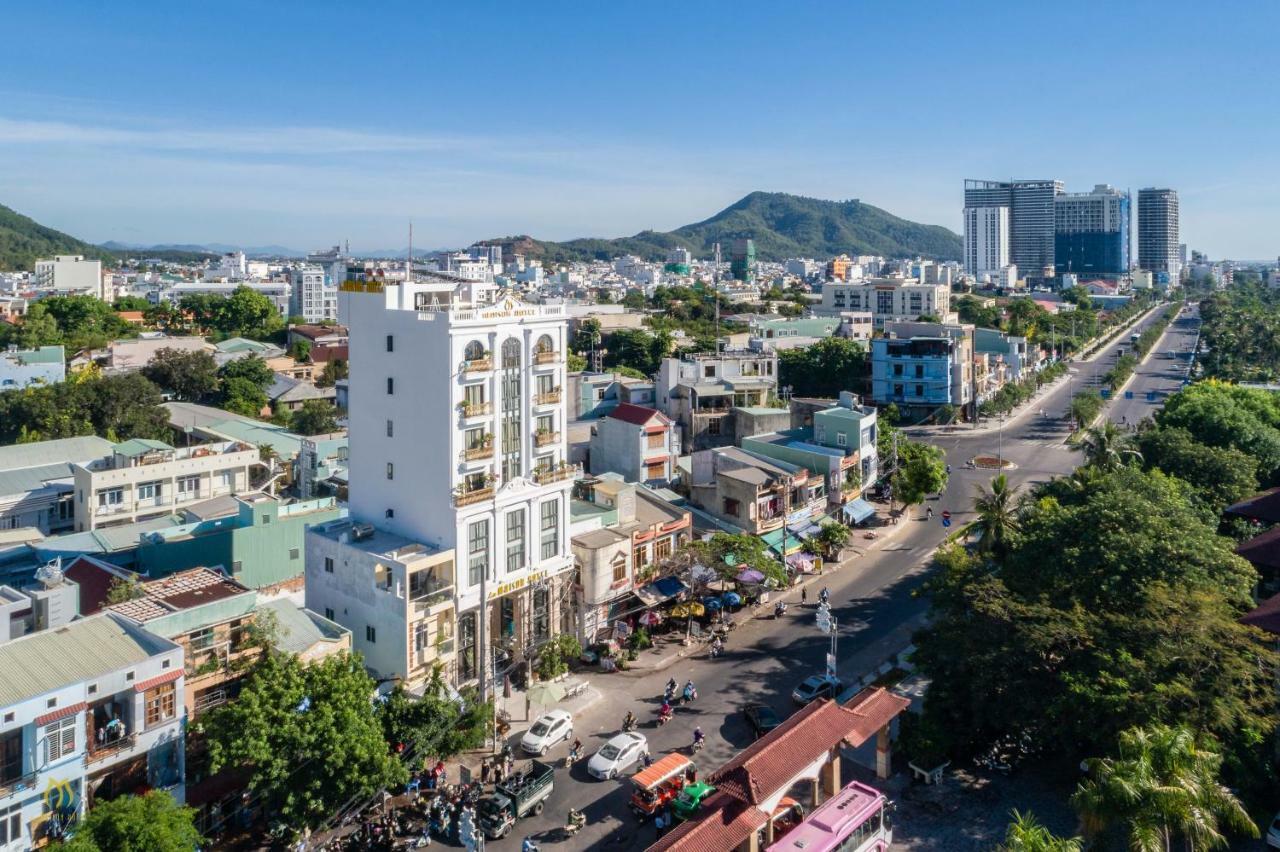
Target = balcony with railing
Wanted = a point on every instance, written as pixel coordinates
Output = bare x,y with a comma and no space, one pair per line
543,437
550,397
108,509
17,784
547,474
427,590
545,357
482,450
111,748
469,493
475,409
478,365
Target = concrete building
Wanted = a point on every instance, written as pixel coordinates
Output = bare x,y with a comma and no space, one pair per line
1015,352
1031,219
639,444
593,395
141,478
396,596
37,482
259,542
623,535
451,386
888,299
276,291
90,712
803,268
68,274
923,366
839,448
20,368
135,353
1158,235
699,392
1091,233
742,260
313,296
777,500
986,240
334,262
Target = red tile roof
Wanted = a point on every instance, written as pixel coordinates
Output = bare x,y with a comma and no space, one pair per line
875,707
325,354
1266,616
153,682
1260,507
726,824
636,414
60,713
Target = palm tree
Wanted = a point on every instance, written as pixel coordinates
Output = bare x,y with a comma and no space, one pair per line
1028,834
1106,447
997,516
1163,785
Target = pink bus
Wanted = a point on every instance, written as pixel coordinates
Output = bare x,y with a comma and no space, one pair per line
857,819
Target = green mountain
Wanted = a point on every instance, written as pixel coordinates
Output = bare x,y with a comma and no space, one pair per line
23,241
781,225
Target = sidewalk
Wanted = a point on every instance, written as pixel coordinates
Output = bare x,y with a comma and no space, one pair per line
666,651
1100,347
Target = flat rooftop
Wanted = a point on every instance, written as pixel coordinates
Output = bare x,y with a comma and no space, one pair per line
184,590
378,542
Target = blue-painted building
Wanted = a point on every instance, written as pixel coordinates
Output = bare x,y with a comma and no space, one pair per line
922,366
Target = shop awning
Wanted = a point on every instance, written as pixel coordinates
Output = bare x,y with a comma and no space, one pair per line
774,541
661,590
858,510
808,527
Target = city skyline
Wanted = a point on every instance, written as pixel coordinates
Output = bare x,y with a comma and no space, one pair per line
256,127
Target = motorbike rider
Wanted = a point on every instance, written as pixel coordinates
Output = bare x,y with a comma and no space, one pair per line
779,609
629,721
717,647
665,711
689,692
528,845
824,596
577,819
699,738
672,686
575,749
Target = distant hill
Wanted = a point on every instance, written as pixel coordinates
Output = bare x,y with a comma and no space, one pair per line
781,225
212,249
23,241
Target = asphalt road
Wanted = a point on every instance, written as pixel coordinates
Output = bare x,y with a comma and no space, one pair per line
871,595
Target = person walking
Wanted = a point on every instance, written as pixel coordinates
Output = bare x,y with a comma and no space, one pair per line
929,513
804,595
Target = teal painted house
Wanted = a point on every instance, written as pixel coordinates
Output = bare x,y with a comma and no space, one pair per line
260,546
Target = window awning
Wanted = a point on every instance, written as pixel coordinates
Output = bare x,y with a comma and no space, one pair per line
774,541
858,510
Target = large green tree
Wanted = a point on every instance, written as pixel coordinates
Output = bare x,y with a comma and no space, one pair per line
1027,834
922,470
1221,415
115,407
247,313
435,726
825,368
1219,476
997,516
314,417
152,822
1161,786
1107,447
252,369
190,376
1116,605
308,734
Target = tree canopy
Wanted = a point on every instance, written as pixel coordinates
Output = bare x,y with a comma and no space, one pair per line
922,470
152,822
435,726
308,735
189,375
831,365
76,322
314,417
116,407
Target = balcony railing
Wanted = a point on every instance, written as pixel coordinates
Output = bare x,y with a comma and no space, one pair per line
555,473
541,439
546,357
96,753
113,509
549,398
22,782
475,409
468,496
483,451
433,598
477,365
210,699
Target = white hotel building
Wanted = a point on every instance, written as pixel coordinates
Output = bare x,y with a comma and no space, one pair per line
457,442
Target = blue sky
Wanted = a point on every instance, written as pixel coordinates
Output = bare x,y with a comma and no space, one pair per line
306,123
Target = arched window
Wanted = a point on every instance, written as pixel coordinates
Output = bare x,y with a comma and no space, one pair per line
474,351
510,353
544,345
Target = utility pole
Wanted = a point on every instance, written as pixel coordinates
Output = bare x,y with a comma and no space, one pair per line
715,294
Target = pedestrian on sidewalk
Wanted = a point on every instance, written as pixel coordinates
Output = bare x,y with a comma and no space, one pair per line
929,513
804,595
485,769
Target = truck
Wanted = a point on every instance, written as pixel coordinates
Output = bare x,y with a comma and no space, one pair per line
518,796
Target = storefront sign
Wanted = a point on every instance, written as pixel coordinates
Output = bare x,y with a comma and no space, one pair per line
515,585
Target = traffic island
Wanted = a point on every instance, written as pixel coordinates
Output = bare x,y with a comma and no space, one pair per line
991,463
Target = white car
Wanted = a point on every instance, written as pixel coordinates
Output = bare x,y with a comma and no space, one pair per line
552,727
616,755
1273,833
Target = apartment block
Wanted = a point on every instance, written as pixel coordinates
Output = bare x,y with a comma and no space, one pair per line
700,393
1158,235
923,366
888,299
37,482
313,294
68,274
640,444
143,478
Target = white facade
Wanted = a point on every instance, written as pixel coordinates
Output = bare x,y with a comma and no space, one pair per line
69,273
457,418
888,299
143,479
986,240
1009,277
276,291
314,296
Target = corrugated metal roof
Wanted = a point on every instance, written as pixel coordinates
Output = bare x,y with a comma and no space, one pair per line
82,650
27,479
300,629
139,447
62,450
